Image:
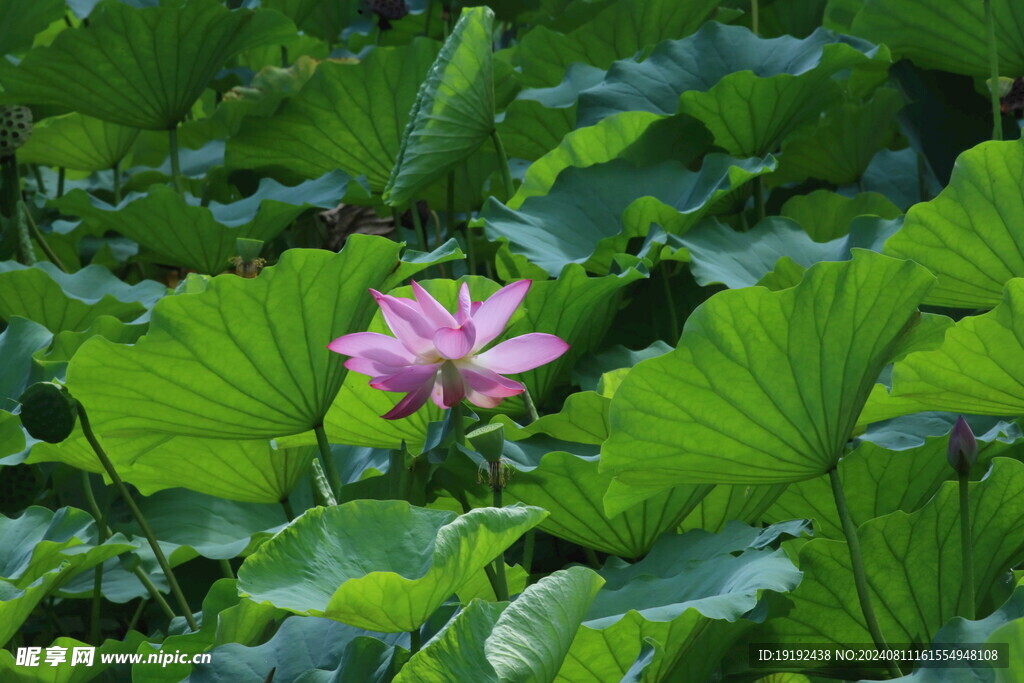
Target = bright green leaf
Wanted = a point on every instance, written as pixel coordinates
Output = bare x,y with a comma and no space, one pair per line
246,358
454,110
22,21
826,215
127,66
765,387
524,642
202,238
972,235
950,36
380,565
77,142
61,301
750,92
348,116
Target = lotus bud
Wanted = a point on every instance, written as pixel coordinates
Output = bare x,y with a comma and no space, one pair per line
489,441
963,447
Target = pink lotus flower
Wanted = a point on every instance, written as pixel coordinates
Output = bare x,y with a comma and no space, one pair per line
437,355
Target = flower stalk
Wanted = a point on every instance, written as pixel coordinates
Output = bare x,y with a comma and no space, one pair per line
140,519
860,578
962,453
993,63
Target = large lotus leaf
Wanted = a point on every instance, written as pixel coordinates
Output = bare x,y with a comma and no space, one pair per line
569,486
54,360
839,147
246,358
826,215
40,551
225,618
978,369
525,641
454,110
301,648
877,481
590,369
972,235
203,238
640,137
380,565
245,470
538,118
348,116
61,301
719,254
77,142
140,67
18,343
900,548
723,504
568,226
324,19
950,36
22,21
750,92
213,527
688,595
765,387
620,30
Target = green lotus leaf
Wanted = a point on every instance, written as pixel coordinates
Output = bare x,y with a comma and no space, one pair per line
688,595
898,548
41,550
454,110
949,36
183,233
591,368
719,254
54,360
583,419
61,301
523,641
640,137
750,92
970,236
839,147
347,116
619,30
537,119
592,233
351,653
379,565
18,343
759,389
723,504
249,470
213,527
22,21
77,142
879,481
324,19
226,618
126,67
826,215
978,369
246,358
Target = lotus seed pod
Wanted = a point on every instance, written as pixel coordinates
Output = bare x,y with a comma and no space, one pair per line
48,412
963,447
15,128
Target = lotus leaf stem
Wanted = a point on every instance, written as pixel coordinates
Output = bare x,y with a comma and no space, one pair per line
993,64
967,550
327,462
503,167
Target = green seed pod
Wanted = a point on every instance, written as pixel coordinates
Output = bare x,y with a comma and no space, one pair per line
15,127
48,412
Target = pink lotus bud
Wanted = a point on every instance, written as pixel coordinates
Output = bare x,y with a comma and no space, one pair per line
963,447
